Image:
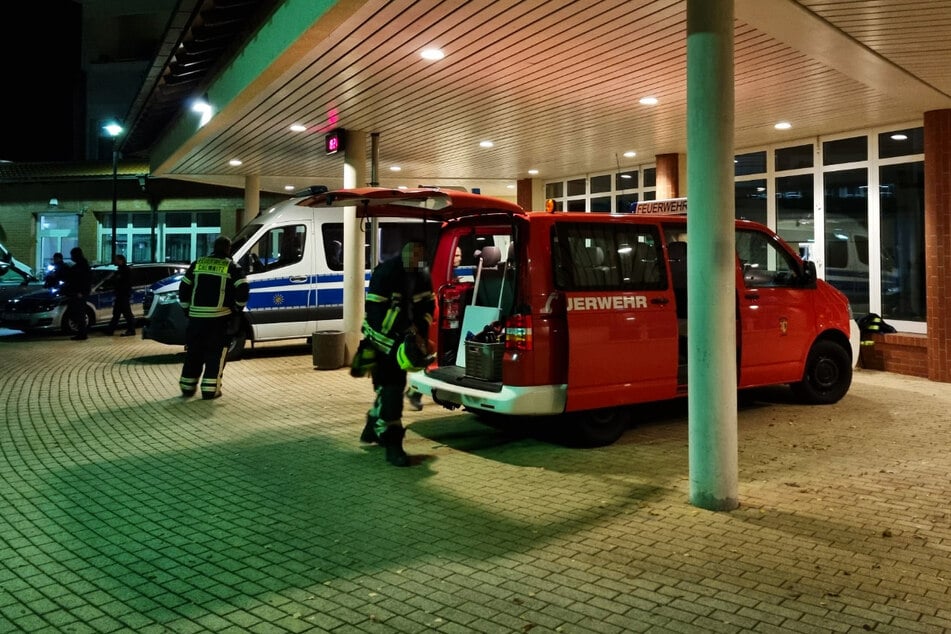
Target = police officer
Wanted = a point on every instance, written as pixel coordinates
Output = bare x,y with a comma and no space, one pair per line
399,310
213,293
122,307
77,288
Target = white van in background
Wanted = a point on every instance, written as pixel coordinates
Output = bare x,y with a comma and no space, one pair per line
845,261
293,258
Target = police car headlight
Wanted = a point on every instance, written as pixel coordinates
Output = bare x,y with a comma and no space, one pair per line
167,298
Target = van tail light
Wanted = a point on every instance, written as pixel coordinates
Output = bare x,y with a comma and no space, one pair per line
518,332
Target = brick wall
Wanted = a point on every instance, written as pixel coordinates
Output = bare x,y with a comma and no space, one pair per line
901,353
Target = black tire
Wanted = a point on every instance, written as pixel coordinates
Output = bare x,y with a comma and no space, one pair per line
69,325
597,428
236,346
828,374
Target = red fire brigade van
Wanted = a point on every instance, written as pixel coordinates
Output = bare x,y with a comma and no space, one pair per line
584,314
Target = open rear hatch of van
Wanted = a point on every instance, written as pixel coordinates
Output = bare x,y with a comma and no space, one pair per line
425,204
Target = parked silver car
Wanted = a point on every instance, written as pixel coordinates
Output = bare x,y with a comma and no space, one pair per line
44,309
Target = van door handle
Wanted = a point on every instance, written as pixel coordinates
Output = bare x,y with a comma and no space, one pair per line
660,300
297,279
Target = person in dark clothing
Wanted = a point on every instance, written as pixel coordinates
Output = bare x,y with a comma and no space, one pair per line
77,288
122,306
399,309
57,272
213,293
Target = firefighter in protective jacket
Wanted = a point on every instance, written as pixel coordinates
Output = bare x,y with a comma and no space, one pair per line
399,310
213,293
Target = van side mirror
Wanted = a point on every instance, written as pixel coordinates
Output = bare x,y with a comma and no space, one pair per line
809,274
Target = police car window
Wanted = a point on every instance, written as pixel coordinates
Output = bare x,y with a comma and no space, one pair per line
764,263
598,256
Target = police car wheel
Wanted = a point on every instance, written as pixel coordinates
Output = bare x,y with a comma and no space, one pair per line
70,326
597,428
828,374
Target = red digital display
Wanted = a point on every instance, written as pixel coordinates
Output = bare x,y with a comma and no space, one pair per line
334,141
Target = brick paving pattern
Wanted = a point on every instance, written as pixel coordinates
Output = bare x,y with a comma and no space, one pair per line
126,508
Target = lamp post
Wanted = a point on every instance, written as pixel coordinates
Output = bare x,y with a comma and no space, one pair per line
114,130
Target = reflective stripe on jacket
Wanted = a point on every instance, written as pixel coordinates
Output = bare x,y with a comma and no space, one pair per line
212,287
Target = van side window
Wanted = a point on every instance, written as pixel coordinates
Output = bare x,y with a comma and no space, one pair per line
279,247
599,256
391,236
764,263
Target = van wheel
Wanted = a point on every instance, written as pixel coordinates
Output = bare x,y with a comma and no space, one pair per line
236,346
600,427
828,374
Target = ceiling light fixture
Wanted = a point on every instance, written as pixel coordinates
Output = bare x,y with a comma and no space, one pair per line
395,168
297,127
898,136
234,162
533,172
648,101
432,54
203,108
486,144
783,125
630,154
289,188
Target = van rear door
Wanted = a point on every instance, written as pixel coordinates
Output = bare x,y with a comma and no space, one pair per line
622,324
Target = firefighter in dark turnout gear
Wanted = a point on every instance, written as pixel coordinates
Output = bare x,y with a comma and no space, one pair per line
399,310
213,293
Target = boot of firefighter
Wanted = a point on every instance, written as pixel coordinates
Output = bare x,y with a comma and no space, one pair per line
392,439
370,433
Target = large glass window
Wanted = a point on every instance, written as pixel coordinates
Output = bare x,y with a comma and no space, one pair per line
793,158
751,200
751,163
846,235
902,220
901,142
841,151
794,213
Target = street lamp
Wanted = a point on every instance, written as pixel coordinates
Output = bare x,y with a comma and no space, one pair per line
114,130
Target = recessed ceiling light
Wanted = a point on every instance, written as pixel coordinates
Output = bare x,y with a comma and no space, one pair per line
532,172
432,54
395,168
401,187
296,127
630,154
648,101
899,137
234,162
289,187
510,186
783,125
486,144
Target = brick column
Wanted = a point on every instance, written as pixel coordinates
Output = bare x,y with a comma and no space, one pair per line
938,242
523,193
668,176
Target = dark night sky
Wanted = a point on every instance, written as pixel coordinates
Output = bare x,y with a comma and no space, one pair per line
43,97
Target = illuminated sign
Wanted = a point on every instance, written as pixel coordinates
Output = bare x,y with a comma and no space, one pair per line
334,141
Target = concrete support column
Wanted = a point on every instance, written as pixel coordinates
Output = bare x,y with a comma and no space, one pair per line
354,266
671,175
711,280
938,242
252,200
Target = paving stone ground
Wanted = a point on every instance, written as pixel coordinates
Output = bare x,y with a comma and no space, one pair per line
126,508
